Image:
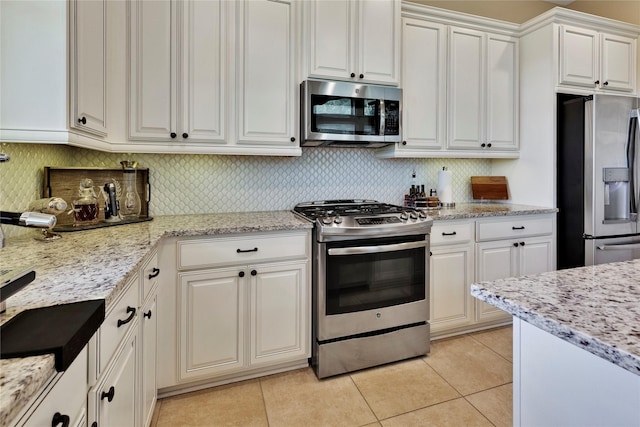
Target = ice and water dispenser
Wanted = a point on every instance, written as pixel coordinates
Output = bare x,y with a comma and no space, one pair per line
616,195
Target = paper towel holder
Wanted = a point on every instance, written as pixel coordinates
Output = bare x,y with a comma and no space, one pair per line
445,204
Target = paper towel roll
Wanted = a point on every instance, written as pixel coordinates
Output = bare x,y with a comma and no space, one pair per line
445,190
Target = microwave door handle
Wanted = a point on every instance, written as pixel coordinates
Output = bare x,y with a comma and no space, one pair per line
376,249
383,117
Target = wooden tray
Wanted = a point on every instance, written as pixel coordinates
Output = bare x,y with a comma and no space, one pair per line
65,182
489,187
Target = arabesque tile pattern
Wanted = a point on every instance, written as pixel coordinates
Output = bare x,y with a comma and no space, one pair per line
464,381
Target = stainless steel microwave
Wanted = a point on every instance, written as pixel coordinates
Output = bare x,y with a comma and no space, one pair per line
349,114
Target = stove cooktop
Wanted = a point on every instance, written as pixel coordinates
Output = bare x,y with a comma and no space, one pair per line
355,207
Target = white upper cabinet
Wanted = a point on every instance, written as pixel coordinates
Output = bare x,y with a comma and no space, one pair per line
424,83
353,40
176,85
267,110
596,60
483,91
88,73
53,79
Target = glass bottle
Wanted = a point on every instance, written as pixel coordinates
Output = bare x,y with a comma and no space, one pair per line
130,204
85,209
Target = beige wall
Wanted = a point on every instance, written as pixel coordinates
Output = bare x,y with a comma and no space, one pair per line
519,11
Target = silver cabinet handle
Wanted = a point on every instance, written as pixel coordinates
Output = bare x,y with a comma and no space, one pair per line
376,249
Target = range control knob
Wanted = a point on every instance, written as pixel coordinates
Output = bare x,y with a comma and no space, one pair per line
326,220
413,216
422,215
338,219
404,216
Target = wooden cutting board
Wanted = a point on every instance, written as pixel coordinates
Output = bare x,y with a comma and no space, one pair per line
489,188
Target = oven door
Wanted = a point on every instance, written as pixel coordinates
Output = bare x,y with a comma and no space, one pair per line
371,285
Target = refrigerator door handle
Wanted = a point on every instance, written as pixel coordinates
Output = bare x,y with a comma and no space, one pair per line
619,247
632,134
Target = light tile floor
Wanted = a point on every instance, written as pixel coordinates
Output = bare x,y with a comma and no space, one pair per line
464,381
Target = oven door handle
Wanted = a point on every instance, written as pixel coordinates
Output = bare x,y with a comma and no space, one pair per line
375,249
619,247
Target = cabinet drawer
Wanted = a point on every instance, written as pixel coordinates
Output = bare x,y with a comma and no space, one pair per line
451,232
66,398
514,228
117,323
150,273
241,250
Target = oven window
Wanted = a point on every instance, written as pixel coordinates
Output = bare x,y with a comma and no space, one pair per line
374,280
344,115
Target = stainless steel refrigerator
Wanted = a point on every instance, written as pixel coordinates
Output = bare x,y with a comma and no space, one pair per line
597,179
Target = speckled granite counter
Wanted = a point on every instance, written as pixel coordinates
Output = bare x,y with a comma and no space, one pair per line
597,308
97,264
489,209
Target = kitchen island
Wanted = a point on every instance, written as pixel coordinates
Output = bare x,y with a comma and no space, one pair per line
576,344
98,264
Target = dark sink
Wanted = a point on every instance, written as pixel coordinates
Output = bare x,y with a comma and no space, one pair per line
63,330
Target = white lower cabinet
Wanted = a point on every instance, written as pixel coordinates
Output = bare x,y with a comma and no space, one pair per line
234,306
467,251
451,274
527,249
64,401
114,400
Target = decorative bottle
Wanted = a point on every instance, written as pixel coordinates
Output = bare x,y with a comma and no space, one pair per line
130,204
85,209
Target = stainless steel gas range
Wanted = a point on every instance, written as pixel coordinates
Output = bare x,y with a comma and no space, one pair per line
370,283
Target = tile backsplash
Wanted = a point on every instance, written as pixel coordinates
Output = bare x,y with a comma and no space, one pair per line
184,184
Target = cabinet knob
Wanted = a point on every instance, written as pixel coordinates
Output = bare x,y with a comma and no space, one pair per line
293,139
521,243
241,274
185,135
605,84
82,120
515,244
597,82
353,75
253,272
361,76
58,418
154,272
483,145
147,314
108,395
132,313
489,145
404,142
173,135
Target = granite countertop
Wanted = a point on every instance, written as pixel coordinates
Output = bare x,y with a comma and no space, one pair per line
486,209
596,308
96,264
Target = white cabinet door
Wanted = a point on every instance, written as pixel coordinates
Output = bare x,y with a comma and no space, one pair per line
212,314
115,400
203,75
578,56
378,47
88,75
617,63
451,273
152,86
502,92
424,84
331,36
266,78
535,256
279,312
466,99
353,40
494,260
149,328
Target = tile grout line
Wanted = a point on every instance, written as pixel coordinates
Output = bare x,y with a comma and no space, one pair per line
264,402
